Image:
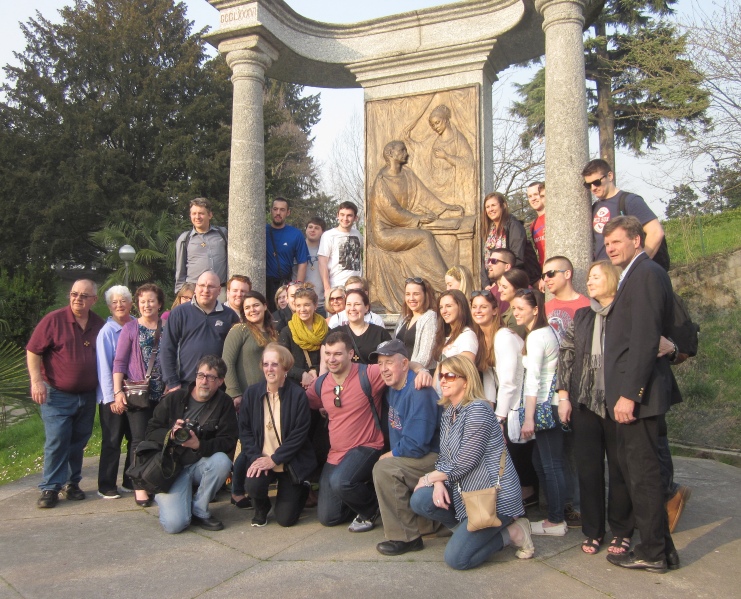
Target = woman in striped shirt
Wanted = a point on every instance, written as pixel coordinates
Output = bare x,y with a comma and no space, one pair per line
471,446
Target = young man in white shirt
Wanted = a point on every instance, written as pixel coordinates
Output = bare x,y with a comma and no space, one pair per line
340,248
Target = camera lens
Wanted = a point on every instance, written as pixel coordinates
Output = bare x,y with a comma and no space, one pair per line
181,435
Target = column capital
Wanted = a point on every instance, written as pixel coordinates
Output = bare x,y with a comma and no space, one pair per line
245,53
561,11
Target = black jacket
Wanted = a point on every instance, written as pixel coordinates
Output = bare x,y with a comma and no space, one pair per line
296,448
219,431
299,358
573,374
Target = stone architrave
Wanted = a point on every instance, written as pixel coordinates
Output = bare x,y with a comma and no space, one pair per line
433,201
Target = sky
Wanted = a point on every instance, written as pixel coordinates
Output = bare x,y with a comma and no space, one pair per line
635,174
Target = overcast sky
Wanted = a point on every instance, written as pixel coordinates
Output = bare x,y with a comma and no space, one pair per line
341,104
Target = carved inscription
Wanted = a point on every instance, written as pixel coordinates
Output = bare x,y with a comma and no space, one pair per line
238,15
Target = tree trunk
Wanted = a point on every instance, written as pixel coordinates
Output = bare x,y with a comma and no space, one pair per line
605,112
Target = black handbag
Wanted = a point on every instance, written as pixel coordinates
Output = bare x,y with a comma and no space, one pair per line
295,480
155,468
137,392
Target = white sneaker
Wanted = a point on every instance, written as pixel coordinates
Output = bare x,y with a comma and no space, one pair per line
559,530
360,525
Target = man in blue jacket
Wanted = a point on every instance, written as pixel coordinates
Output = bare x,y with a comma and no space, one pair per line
414,423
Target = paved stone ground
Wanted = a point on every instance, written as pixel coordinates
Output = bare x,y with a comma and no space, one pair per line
113,549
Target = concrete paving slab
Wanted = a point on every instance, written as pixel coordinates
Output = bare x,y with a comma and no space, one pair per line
112,548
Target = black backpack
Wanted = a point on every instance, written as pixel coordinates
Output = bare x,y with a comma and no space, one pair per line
685,333
662,255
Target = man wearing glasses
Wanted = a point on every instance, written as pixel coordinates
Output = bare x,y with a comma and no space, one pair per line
600,180
62,368
203,452
194,329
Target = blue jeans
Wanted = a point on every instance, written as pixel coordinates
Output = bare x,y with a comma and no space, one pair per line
570,473
548,463
465,549
178,504
68,423
347,487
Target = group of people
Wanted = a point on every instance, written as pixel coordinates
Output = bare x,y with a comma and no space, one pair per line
479,386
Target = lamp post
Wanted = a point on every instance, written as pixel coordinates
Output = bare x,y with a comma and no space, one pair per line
127,254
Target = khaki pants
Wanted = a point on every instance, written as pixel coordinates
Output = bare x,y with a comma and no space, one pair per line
395,479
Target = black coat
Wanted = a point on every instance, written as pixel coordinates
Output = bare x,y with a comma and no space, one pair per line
296,448
643,311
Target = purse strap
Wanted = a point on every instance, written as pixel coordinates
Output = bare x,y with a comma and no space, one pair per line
266,397
308,359
155,350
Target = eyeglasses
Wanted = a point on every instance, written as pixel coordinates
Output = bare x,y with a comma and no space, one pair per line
595,183
83,296
482,293
337,298
549,274
337,401
415,280
202,376
449,376
209,287
497,261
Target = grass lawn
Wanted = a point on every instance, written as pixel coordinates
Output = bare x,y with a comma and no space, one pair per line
690,239
22,448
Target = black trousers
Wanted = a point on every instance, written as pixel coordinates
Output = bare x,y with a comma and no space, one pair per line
114,429
594,437
289,501
637,447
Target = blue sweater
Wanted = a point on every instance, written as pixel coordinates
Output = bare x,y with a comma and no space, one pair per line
189,335
414,420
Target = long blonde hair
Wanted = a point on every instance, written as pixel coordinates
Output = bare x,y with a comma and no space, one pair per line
463,275
464,368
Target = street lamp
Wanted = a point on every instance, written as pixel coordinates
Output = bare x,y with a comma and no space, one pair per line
127,254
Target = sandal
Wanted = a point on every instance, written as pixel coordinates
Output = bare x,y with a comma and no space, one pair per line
619,545
591,546
525,549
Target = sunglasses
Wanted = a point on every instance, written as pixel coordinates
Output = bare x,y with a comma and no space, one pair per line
337,401
497,261
449,376
595,183
482,293
549,274
415,280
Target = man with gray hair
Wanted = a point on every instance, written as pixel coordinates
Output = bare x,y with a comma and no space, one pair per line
64,377
202,248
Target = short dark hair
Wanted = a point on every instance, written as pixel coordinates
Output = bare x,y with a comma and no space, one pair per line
202,202
336,337
280,199
509,254
213,363
596,166
630,224
156,289
348,206
564,261
363,295
517,277
319,221
540,185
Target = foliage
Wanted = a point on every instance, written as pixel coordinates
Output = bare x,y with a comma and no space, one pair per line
682,203
723,187
691,238
641,83
14,381
24,298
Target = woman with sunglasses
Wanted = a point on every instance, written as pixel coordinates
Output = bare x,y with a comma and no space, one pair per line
540,360
471,448
242,355
336,301
510,283
418,324
581,393
274,424
365,336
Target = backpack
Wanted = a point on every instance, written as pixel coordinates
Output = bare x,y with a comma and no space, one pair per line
685,333
382,422
662,254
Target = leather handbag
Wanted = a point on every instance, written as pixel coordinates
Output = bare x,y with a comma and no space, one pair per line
481,505
155,468
137,392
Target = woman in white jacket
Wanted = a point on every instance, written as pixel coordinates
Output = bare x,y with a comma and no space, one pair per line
540,362
418,324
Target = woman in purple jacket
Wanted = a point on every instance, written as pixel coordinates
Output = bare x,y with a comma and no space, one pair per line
133,353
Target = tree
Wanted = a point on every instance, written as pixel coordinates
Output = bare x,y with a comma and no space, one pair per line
347,165
682,203
641,83
112,114
723,188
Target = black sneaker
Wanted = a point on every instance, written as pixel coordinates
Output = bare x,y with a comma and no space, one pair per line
261,517
48,499
572,517
209,523
73,492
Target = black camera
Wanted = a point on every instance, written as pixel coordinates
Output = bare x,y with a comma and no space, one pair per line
182,435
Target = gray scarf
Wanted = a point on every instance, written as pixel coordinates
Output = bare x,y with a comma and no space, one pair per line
596,359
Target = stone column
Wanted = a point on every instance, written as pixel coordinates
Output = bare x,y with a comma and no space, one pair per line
568,206
248,57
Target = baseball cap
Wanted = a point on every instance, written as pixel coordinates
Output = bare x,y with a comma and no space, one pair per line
391,348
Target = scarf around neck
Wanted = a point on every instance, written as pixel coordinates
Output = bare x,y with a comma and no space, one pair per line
310,340
596,359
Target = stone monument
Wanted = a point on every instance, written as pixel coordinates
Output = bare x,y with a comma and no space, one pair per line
427,77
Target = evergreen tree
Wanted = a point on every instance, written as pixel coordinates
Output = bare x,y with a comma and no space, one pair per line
640,83
682,203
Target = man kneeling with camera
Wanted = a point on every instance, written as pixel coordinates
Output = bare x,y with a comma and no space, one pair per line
201,424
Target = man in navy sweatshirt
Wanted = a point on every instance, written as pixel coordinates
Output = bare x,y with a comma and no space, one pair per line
414,427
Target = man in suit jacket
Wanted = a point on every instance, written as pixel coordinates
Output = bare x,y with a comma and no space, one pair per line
638,386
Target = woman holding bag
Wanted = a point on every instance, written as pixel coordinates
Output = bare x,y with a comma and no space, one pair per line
472,457
137,359
541,406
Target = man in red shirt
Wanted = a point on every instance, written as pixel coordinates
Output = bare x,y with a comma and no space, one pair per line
536,198
558,273
63,372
